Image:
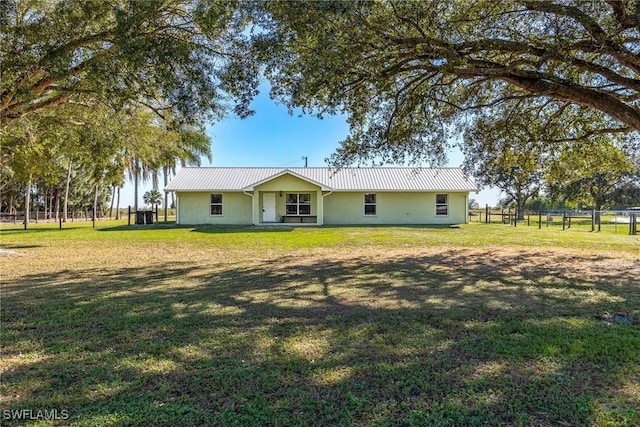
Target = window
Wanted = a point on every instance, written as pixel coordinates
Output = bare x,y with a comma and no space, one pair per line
216,204
370,207
298,204
442,205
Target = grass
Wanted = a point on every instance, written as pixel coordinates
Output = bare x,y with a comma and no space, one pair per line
383,326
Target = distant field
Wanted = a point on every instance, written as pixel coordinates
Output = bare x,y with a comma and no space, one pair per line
377,326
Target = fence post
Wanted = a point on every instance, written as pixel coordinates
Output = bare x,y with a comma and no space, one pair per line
487,216
540,219
593,220
564,219
129,217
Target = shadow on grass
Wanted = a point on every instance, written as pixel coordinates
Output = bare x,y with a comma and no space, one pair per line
51,227
142,227
10,231
438,339
275,228
210,229
14,246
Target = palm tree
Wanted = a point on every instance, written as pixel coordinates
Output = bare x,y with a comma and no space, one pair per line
186,150
145,142
152,197
153,145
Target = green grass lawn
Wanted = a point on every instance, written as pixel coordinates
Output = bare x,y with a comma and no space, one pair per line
377,326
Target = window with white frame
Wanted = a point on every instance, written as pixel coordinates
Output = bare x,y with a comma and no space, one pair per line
370,205
442,205
216,204
298,204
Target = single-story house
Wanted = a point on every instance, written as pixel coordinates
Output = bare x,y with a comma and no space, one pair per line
319,196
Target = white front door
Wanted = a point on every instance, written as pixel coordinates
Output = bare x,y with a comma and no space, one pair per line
268,207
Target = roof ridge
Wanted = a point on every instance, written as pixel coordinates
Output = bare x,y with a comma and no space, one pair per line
322,167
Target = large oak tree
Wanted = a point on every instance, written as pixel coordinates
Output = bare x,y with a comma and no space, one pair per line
406,72
185,55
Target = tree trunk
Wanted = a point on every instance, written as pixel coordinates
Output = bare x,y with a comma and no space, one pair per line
118,204
520,202
27,202
135,185
45,203
598,207
66,193
155,180
166,179
113,197
57,208
52,195
95,205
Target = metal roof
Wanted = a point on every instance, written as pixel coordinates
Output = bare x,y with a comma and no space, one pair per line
345,179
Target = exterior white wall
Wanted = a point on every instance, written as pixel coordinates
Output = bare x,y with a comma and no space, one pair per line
195,208
394,208
339,208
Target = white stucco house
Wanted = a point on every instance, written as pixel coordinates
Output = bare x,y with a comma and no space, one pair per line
321,196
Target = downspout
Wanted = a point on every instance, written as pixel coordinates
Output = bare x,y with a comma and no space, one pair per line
323,196
253,213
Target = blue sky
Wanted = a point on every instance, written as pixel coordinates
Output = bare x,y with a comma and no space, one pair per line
272,137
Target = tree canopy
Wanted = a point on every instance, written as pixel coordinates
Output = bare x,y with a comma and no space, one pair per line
407,72
96,87
181,55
